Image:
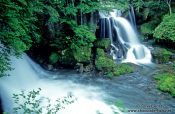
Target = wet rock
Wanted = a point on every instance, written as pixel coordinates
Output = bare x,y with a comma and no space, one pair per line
161,55
1,109
50,67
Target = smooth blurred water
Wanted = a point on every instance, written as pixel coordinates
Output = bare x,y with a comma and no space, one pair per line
93,94
124,39
28,75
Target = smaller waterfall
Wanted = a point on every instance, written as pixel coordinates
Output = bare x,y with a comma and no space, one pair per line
132,17
124,39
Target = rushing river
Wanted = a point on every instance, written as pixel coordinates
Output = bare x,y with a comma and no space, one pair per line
93,94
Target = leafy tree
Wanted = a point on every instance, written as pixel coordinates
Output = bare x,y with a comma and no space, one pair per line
17,28
165,30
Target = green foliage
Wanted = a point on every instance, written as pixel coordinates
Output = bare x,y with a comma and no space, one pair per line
52,12
83,36
147,9
100,52
109,67
33,103
122,69
83,54
4,61
162,55
17,22
166,82
165,30
18,29
104,63
147,28
103,43
67,57
53,58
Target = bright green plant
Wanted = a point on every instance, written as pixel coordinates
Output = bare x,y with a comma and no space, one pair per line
83,54
165,30
122,69
4,61
100,52
103,43
104,63
147,28
109,67
18,28
166,82
32,103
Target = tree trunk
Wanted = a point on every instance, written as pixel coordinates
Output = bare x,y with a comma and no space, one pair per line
169,6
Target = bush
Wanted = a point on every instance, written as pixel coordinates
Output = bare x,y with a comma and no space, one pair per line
165,30
166,82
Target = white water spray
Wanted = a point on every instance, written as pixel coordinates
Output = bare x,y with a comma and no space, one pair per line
28,75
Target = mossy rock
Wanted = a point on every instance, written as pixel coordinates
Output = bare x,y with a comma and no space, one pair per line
108,66
104,64
162,55
82,54
122,69
100,52
103,43
166,82
54,57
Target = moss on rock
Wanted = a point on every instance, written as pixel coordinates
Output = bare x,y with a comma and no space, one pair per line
122,69
100,52
82,54
103,43
54,57
104,63
166,82
107,65
162,55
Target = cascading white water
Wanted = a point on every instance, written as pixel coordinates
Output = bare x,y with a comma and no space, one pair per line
126,44
28,75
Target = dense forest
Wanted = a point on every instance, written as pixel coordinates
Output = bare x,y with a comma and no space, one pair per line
59,30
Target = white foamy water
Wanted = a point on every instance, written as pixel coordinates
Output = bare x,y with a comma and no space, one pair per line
28,76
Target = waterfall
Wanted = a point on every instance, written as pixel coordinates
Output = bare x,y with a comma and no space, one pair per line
132,17
125,43
28,76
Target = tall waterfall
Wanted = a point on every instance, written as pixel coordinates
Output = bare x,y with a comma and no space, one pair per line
28,76
123,35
